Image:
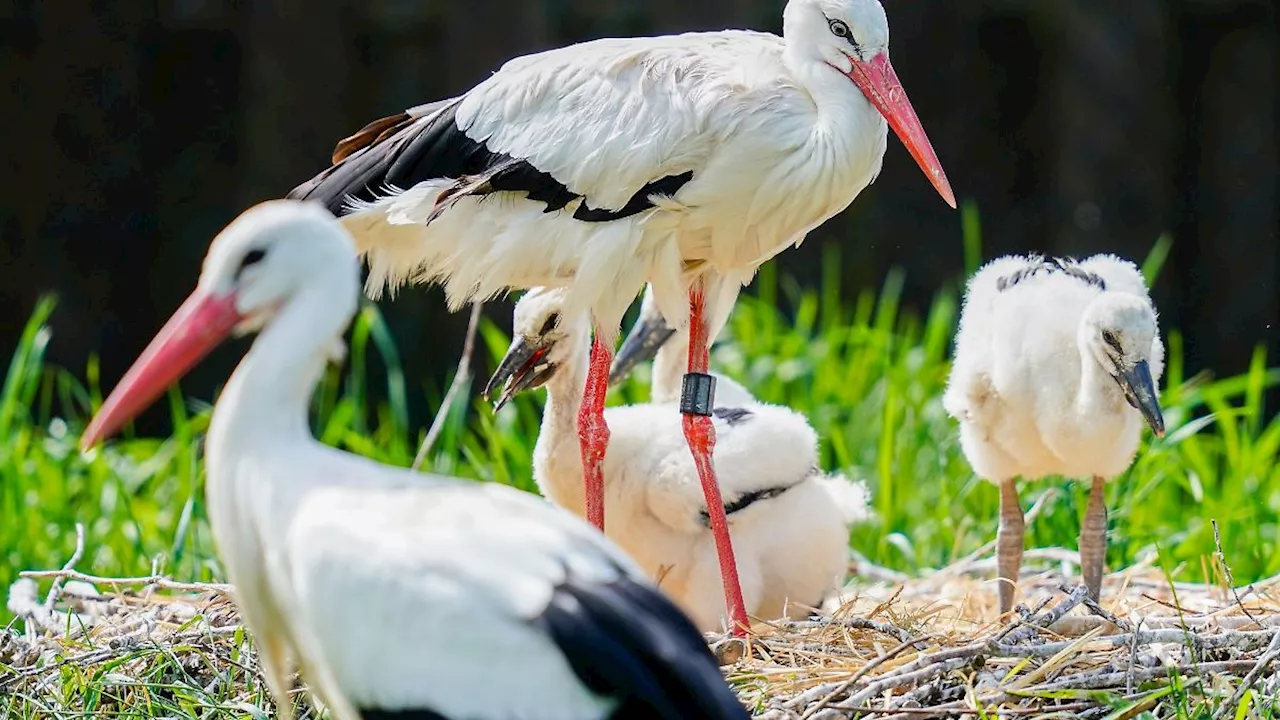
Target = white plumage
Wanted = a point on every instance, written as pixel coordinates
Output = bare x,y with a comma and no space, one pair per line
1056,367
397,592
685,161
789,521
775,136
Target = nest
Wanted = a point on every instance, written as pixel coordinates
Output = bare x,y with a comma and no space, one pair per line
891,646
937,647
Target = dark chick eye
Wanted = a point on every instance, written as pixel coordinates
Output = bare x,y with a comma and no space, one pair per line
550,324
1110,338
839,29
251,258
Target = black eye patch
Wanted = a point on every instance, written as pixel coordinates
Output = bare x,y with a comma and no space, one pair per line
1110,338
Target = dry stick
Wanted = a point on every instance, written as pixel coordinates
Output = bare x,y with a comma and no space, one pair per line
66,567
855,623
1273,650
1115,678
459,377
845,685
1051,616
889,682
1222,558
156,581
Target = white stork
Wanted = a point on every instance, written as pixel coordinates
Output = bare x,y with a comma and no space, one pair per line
789,521
399,595
685,160
1056,366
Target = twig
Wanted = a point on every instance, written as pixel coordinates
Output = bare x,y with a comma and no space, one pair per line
888,682
52,597
1108,679
854,623
156,581
1100,611
1231,583
853,679
1273,650
1051,616
459,378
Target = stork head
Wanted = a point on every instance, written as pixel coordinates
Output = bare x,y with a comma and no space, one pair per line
852,36
1119,331
254,266
543,341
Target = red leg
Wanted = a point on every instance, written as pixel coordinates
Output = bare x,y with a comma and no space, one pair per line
593,433
701,436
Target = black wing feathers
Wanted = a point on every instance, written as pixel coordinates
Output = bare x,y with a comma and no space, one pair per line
627,640
423,144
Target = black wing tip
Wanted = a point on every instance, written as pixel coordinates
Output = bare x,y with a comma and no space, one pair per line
630,641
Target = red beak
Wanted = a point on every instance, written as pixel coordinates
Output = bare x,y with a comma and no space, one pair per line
200,324
879,83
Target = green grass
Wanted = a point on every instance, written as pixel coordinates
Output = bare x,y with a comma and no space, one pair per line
868,373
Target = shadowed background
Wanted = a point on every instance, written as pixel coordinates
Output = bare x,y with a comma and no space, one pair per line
133,131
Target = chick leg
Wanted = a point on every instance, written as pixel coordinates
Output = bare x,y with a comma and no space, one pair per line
1009,541
1093,540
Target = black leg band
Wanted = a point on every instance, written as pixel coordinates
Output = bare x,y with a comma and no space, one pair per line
697,396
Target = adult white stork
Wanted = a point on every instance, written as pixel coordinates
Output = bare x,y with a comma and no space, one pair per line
683,160
789,521
400,595
1056,365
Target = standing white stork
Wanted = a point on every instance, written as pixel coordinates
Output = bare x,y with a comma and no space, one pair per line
1056,365
789,521
400,595
685,160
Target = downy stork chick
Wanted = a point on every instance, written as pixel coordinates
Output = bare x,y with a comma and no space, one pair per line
686,161
1056,371
789,522
399,595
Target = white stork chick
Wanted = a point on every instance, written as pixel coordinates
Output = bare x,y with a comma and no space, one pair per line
399,595
685,161
789,522
1056,367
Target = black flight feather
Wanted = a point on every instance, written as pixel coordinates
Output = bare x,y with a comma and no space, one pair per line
627,640
426,144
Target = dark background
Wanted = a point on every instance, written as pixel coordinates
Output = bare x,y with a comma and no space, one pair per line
132,131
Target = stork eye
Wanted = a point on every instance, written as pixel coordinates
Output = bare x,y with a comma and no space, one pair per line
1110,338
252,257
550,324
839,29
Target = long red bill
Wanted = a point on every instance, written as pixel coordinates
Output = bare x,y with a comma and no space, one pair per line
197,327
879,83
